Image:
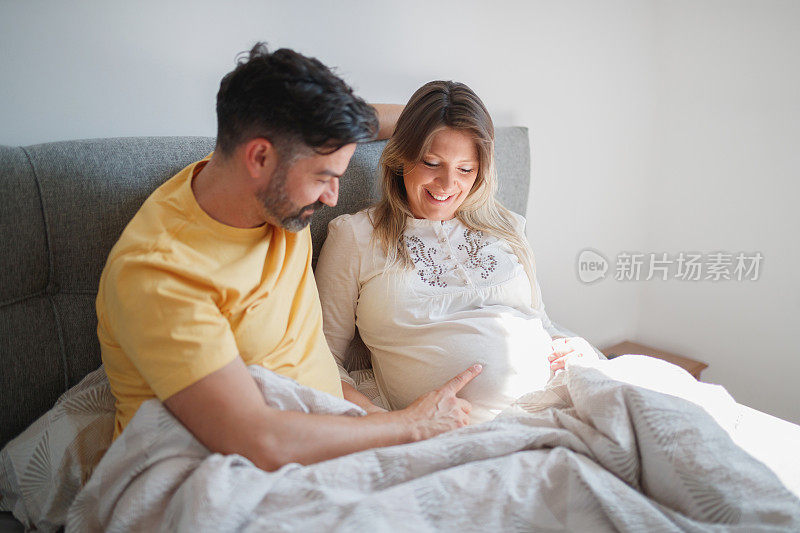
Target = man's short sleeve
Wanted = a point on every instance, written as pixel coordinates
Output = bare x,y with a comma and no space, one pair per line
166,322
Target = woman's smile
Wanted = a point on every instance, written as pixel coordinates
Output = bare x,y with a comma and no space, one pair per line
439,198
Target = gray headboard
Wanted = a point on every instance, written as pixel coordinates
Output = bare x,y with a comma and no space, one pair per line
63,205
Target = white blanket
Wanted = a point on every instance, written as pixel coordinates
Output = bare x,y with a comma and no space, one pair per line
593,452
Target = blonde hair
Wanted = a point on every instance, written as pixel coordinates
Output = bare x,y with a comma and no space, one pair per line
435,106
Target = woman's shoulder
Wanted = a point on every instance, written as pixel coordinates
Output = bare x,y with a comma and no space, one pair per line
360,223
518,221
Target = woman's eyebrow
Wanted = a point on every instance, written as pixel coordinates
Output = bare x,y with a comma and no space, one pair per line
458,162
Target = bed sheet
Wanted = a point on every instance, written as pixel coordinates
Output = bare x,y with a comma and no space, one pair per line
774,442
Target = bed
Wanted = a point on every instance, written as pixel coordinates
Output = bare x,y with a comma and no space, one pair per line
64,205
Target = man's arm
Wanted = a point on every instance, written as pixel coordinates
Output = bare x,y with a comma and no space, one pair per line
226,412
387,118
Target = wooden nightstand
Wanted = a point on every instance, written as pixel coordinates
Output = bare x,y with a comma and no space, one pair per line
690,365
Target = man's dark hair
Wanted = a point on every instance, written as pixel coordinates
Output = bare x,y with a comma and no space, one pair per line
292,100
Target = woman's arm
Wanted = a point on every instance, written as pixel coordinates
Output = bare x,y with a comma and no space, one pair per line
536,291
337,276
387,118
352,395
546,323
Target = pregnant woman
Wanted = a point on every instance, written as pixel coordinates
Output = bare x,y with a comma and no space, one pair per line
438,275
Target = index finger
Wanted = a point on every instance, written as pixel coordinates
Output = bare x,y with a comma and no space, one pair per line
461,380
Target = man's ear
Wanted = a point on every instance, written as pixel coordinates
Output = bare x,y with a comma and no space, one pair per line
260,158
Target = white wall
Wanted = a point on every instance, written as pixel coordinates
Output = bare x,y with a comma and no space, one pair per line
725,177
578,74
601,85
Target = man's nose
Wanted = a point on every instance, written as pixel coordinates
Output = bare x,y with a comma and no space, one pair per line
331,195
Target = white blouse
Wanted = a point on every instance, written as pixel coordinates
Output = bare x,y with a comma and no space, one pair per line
467,300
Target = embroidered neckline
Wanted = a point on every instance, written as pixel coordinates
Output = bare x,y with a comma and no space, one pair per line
430,272
475,260
424,222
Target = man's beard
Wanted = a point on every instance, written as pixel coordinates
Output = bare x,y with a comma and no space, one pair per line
275,200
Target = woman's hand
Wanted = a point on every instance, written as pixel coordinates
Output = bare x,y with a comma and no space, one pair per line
569,348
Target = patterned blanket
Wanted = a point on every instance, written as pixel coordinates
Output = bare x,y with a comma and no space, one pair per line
632,444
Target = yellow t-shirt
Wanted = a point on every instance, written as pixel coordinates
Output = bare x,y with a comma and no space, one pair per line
182,295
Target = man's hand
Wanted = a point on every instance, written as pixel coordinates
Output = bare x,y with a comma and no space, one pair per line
440,410
227,413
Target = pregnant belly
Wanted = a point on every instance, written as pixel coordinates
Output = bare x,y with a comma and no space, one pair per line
416,358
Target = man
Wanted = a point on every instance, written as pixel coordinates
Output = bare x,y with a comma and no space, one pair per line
214,273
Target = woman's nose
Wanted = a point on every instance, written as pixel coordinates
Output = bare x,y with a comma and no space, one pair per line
446,179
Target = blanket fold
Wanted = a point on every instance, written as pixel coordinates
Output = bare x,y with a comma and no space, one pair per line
631,444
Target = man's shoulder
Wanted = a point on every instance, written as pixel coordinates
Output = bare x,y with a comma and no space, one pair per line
147,237
157,225
141,269
149,252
